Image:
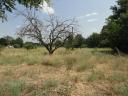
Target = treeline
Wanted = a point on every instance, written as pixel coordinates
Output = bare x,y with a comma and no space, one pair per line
96,40
11,42
77,41
115,33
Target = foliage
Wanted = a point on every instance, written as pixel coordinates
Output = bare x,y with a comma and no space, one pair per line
93,40
116,27
69,42
8,40
9,5
29,45
78,41
18,42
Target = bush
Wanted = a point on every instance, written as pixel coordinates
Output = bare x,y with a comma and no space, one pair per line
29,46
16,46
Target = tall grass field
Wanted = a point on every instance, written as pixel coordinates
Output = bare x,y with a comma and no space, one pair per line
78,72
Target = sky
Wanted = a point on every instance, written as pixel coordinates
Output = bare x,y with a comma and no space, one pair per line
90,14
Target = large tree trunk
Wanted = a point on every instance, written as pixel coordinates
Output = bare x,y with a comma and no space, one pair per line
50,51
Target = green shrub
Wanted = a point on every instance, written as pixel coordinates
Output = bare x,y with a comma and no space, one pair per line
17,46
29,46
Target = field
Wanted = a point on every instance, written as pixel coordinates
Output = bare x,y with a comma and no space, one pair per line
78,72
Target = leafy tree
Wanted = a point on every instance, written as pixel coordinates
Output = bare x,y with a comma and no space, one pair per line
69,42
117,26
104,37
78,41
7,40
93,40
3,42
9,5
17,43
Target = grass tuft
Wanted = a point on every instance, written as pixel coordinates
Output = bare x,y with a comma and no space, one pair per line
96,76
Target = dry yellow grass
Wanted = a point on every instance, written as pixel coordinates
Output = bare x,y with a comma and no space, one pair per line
81,72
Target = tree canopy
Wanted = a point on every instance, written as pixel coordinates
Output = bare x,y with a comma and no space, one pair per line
9,5
117,26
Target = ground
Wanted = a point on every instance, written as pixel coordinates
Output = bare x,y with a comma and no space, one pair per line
78,72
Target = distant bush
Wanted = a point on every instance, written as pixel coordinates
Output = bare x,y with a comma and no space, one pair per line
16,46
29,45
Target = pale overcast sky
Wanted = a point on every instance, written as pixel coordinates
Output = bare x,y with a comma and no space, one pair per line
91,15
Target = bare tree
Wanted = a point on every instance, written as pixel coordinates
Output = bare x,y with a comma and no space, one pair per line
49,32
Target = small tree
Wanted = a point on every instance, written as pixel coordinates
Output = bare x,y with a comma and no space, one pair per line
78,41
3,42
69,42
93,40
47,33
17,43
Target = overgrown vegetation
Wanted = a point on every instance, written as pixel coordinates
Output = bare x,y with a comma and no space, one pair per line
66,73
114,34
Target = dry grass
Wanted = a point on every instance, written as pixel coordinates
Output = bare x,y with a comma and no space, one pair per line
81,72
